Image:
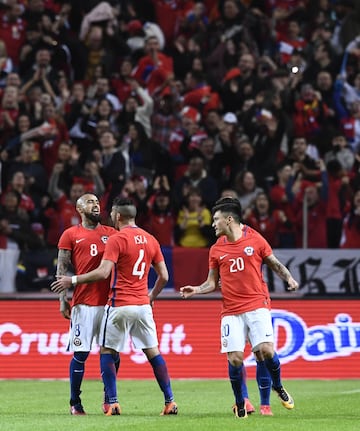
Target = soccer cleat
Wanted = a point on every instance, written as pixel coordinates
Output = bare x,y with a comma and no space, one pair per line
249,407
113,410
285,397
77,410
266,410
105,407
170,409
240,411
106,404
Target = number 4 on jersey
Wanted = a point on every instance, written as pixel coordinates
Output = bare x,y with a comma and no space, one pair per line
139,267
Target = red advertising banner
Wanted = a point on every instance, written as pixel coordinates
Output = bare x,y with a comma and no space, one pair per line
315,339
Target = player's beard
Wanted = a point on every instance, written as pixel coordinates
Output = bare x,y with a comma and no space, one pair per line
94,218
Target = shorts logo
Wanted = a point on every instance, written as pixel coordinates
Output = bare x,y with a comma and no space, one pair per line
77,342
104,239
249,251
224,342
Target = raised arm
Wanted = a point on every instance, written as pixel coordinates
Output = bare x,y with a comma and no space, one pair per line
273,263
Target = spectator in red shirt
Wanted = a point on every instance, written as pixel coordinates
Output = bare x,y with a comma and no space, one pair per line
310,113
58,133
185,139
12,29
154,67
9,112
289,41
121,84
168,14
351,225
338,200
18,184
280,201
267,221
160,217
165,118
63,214
199,94
316,196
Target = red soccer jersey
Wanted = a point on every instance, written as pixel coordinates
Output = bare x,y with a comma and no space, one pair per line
87,248
132,250
240,267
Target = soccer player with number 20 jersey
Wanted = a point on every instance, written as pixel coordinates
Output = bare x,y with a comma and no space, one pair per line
236,259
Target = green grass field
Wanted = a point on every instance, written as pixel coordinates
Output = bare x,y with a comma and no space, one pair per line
27,405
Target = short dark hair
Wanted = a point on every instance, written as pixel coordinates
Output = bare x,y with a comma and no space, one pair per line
228,205
125,207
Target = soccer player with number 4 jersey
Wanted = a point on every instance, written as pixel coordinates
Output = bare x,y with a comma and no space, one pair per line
127,258
82,246
237,258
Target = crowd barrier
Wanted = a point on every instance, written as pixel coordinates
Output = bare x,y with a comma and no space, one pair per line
314,339
320,272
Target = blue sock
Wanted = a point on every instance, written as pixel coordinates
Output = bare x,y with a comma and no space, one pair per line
162,377
77,370
273,365
264,382
235,376
108,374
116,358
244,388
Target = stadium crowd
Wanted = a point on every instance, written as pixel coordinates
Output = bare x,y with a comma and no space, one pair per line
175,103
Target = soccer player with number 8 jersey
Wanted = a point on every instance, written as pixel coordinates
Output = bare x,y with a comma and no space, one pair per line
127,258
82,247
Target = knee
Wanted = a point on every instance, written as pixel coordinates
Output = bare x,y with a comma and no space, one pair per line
106,350
266,351
81,356
151,352
236,358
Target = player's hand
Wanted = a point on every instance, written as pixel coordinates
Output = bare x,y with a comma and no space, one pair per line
62,283
65,308
292,284
187,291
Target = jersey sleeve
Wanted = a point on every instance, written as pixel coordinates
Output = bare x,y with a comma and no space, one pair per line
158,255
265,248
112,249
213,261
65,241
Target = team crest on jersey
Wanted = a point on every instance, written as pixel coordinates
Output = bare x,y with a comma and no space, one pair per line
104,239
224,342
249,251
77,342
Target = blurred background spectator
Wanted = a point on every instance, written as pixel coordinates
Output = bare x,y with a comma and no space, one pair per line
193,225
